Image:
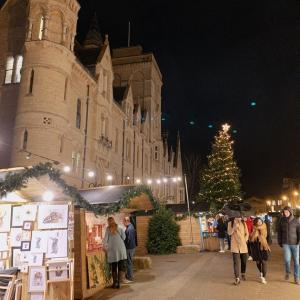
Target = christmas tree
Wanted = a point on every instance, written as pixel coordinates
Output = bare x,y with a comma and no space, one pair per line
220,180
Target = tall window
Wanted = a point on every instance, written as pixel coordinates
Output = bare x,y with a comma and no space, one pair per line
19,63
117,141
61,144
78,114
128,150
138,157
31,82
42,28
73,160
25,140
77,161
156,153
9,70
66,87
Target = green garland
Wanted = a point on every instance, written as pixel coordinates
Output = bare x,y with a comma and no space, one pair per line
17,181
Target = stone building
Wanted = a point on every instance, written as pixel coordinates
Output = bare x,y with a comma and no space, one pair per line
95,111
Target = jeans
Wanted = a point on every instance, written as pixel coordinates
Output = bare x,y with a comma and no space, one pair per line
290,251
222,244
130,254
236,258
262,267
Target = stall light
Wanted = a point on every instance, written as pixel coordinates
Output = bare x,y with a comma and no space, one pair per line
296,193
109,178
165,180
149,181
67,169
128,177
178,178
174,179
138,181
91,174
158,181
48,196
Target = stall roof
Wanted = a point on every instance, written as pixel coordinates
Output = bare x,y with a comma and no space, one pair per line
106,194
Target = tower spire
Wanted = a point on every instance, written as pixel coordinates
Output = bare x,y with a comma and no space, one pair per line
93,38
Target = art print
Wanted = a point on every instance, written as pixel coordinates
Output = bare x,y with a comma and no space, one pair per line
53,216
26,235
15,237
36,296
37,279
16,258
3,242
17,216
24,258
5,217
57,245
25,245
2,265
39,241
36,259
27,225
58,271
29,212
4,255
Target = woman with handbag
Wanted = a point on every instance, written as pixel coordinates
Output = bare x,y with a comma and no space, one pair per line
116,251
260,248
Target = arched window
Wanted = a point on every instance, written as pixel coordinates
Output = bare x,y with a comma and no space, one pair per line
9,70
19,63
78,114
31,82
25,140
42,28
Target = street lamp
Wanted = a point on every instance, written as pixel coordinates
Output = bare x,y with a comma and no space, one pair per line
189,211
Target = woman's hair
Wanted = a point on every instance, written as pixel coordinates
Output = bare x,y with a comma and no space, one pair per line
256,220
112,225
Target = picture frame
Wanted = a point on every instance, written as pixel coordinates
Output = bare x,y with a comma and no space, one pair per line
28,225
24,268
39,241
2,265
25,245
37,279
16,257
26,235
53,216
3,241
57,244
24,258
36,259
17,216
58,271
34,296
29,212
15,237
4,255
5,217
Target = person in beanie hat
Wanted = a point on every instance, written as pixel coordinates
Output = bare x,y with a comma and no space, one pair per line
288,239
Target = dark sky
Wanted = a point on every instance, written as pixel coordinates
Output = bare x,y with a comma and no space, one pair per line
215,57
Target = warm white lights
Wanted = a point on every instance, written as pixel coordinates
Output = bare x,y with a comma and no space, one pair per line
226,127
165,180
138,181
48,196
149,181
284,197
158,181
109,178
174,179
67,169
296,193
91,174
178,178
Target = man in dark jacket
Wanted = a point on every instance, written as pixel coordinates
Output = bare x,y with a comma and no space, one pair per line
288,239
130,243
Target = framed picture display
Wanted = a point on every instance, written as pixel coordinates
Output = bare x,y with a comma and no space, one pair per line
29,212
53,216
3,242
16,257
15,237
57,244
17,216
26,235
4,255
25,256
27,225
39,241
37,279
34,296
58,271
36,259
5,217
2,265
25,245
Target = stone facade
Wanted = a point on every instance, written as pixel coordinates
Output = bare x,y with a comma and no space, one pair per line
81,105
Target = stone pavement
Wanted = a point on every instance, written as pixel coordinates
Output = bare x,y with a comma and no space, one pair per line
206,275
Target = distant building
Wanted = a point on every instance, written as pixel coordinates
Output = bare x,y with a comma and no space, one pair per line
290,192
87,107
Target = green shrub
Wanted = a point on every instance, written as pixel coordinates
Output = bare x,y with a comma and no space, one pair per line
163,233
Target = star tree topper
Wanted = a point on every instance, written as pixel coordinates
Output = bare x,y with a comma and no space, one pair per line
226,127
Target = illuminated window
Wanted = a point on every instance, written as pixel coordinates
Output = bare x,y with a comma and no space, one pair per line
19,63
9,70
42,28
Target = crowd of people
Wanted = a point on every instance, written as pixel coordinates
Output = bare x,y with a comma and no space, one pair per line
249,238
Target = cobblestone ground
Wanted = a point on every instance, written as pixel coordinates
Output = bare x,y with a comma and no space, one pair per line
208,276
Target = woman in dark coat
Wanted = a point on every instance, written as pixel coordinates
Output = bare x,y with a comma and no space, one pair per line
222,229
260,248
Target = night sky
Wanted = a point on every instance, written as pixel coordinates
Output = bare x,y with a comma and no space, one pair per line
216,58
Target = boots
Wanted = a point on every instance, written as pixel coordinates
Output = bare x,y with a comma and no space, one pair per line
115,284
122,278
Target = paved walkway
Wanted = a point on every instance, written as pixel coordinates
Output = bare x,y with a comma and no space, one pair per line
204,276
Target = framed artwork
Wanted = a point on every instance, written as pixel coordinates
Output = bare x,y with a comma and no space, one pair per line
5,217
29,212
57,244
34,296
24,258
3,242
53,216
37,279
26,235
25,245
58,271
36,259
16,257
24,268
2,265
4,255
39,241
17,216
94,270
18,291
28,225
15,237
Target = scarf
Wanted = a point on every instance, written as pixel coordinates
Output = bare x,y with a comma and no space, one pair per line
260,233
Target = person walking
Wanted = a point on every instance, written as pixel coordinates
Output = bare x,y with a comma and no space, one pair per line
130,243
116,252
221,228
288,239
238,232
260,248
249,223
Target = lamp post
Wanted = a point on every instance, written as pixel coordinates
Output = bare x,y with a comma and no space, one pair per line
189,211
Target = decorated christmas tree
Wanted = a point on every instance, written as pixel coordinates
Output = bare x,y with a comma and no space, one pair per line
220,180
